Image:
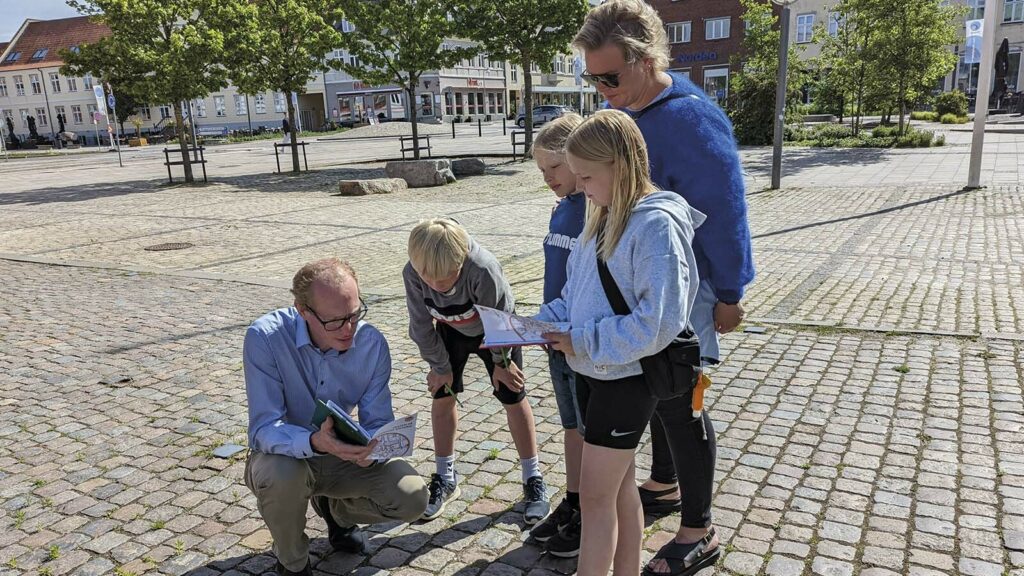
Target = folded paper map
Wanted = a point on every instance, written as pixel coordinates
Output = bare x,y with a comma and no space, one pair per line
394,439
504,329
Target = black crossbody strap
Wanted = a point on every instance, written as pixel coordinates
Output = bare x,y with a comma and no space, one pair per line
611,289
637,115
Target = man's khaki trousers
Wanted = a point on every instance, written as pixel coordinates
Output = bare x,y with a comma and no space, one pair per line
383,492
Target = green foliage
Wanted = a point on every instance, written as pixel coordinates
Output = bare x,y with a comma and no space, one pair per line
885,131
53,552
954,102
164,51
751,103
843,136
952,119
396,41
524,32
924,115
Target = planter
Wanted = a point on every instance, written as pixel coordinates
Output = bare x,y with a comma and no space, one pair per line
136,142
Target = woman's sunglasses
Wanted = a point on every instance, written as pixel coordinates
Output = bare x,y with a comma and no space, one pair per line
610,79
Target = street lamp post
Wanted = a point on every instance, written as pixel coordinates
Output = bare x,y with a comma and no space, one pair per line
780,94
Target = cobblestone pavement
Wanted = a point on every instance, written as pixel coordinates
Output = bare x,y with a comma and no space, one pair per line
874,427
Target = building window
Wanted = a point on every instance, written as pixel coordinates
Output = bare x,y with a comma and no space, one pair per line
448,104
678,32
40,54
165,111
3,86
347,26
87,81
218,106
501,103
835,22
1013,11
279,104
201,108
804,28
716,28
241,106
92,112
515,74
24,117
59,111
76,113
261,103
41,119
491,103
12,57
716,83
458,104
37,87
145,112
72,85
19,85
55,82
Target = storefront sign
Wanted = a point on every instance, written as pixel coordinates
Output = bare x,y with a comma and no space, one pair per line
472,82
702,56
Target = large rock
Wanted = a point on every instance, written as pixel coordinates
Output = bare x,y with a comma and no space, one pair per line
375,186
420,173
468,167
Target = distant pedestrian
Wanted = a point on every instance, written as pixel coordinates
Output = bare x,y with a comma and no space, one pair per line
287,128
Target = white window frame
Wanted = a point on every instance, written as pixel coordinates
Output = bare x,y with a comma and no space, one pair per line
55,82
835,21
42,118
165,111
3,86
1013,11
92,112
804,28
260,103
145,112
679,32
201,108
37,86
72,85
717,28
57,111
241,106
716,72
220,109
87,81
76,113
19,85
24,117
280,105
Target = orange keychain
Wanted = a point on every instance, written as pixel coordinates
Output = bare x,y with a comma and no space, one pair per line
703,383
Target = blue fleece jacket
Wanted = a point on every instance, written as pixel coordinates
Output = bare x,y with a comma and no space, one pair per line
693,153
655,269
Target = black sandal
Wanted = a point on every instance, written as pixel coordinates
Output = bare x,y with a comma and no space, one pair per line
653,502
686,559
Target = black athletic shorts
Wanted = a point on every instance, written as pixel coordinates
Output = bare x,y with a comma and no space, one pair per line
460,347
615,412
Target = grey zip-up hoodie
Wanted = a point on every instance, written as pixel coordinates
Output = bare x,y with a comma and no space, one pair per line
656,271
481,281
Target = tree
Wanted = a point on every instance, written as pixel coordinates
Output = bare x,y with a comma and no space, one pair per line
751,104
279,45
396,41
523,32
171,49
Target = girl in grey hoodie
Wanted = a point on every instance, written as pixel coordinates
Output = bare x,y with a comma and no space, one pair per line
644,237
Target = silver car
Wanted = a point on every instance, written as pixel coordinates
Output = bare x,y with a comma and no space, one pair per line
542,114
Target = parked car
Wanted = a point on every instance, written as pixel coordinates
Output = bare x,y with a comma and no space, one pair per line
542,114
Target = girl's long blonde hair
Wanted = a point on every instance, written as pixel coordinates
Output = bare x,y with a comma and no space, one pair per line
612,137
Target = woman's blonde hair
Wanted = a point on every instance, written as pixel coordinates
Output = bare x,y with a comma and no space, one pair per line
438,247
632,25
331,271
552,136
612,137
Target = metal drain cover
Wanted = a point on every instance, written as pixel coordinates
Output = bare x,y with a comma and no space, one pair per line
168,246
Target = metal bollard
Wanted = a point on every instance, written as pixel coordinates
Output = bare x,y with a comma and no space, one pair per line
479,130
453,127
503,132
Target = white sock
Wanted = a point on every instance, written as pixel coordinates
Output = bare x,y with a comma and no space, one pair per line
445,467
531,467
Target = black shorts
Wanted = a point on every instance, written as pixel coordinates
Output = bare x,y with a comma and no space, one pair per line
615,412
459,348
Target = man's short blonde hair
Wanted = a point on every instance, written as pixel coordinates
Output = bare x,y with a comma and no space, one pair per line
552,136
438,247
330,271
632,25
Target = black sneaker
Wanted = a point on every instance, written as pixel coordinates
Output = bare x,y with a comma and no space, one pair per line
351,539
441,491
280,570
554,523
535,494
566,544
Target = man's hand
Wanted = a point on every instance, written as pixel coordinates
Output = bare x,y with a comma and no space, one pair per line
324,440
437,381
512,377
561,341
728,316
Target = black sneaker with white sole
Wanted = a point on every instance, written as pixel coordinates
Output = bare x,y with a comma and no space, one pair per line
441,491
535,495
554,523
566,544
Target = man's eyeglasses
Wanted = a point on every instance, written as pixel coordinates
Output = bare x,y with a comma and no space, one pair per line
609,79
339,323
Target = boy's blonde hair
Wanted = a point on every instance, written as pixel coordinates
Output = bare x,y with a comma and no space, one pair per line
612,137
330,271
552,136
438,247
632,25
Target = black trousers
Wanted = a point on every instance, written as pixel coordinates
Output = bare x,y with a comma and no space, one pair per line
683,450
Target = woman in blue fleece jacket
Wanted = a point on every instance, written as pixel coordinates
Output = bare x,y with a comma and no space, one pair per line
644,238
692,153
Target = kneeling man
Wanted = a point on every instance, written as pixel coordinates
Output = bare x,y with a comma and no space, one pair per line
321,349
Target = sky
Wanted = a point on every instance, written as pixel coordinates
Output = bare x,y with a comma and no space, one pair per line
14,12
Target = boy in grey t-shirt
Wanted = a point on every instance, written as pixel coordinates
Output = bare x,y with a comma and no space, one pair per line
447,274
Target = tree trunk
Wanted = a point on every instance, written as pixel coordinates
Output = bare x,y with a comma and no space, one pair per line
293,138
528,106
179,127
860,102
410,90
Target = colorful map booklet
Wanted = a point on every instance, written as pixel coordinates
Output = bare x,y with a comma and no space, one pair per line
394,439
504,329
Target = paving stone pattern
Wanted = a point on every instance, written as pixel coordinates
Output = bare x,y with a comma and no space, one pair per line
874,428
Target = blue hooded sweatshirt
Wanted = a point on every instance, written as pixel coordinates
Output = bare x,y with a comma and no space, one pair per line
693,153
654,267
